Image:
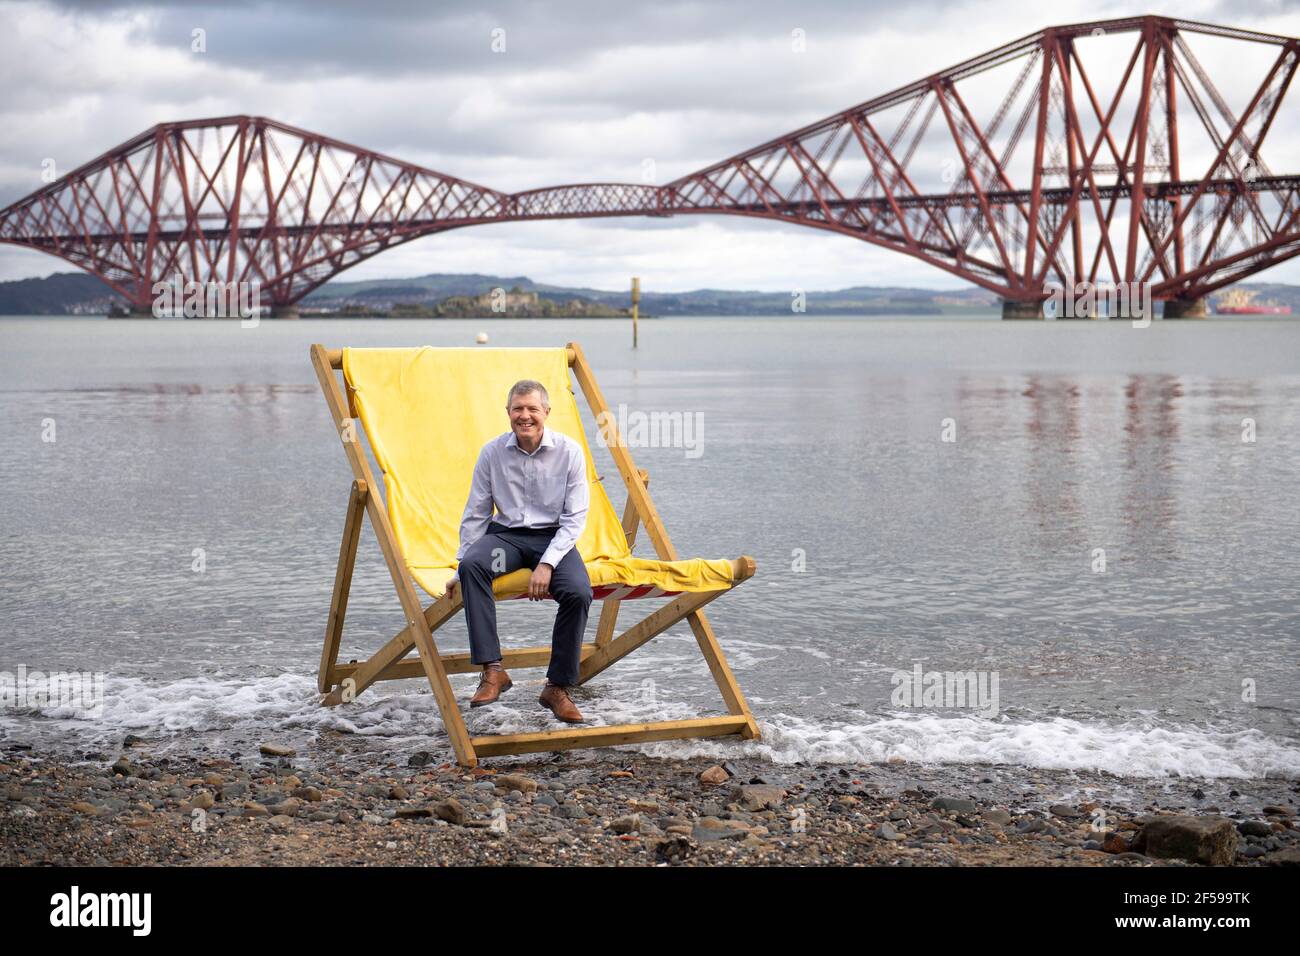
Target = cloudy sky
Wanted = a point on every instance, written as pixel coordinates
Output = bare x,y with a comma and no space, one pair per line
585,91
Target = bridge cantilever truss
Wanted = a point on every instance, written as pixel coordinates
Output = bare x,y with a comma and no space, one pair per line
1067,179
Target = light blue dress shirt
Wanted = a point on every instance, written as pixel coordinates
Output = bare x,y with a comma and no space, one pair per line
538,490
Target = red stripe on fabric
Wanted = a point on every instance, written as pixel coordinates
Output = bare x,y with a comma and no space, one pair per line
620,592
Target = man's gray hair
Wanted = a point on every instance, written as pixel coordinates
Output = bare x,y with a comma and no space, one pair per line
526,386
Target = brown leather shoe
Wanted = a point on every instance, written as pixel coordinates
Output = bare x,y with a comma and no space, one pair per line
557,700
490,686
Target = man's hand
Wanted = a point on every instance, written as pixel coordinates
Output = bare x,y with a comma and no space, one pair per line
451,587
539,584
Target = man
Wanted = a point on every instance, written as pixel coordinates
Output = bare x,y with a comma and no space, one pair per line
537,480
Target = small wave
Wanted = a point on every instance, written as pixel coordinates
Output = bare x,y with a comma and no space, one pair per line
1134,748
205,710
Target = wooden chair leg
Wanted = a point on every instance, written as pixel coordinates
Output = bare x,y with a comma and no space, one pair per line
722,676
342,584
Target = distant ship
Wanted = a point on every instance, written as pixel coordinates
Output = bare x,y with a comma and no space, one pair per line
1242,302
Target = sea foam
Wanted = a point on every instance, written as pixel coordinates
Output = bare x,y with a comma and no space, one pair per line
214,712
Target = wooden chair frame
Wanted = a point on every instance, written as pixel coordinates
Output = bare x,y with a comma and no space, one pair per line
341,683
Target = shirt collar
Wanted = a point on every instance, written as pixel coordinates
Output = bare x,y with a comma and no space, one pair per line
548,439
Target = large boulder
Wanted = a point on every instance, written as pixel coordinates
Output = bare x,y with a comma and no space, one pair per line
1208,840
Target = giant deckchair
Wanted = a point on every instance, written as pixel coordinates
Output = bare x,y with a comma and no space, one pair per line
426,413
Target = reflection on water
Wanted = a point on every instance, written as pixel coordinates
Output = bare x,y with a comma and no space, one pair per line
821,437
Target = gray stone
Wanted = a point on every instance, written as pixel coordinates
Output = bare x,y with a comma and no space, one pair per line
1035,826
515,781
707,829
758,796
672,849
887,832
953,804
287,808
1208,840
450,810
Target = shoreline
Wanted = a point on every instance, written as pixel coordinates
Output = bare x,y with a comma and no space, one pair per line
340,802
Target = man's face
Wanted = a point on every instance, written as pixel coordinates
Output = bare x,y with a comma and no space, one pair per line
527,416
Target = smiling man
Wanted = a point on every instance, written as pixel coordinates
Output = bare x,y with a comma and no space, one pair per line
536,478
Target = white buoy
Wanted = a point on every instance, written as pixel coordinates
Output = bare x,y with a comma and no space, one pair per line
481,338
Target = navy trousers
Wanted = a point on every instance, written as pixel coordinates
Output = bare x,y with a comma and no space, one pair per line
502,550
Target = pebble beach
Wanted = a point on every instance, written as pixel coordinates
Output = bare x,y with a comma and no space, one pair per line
340,803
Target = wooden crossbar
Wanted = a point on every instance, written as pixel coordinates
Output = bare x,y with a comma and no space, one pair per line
341,682
610,736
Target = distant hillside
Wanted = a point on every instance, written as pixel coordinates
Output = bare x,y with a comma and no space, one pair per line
75,293
64,293
862,300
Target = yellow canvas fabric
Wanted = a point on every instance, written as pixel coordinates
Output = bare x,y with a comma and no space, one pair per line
428,412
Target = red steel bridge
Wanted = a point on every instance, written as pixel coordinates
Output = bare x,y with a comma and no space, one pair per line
1100,152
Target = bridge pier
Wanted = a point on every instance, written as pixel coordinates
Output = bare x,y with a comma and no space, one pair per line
1186,308
1018,309
285,312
